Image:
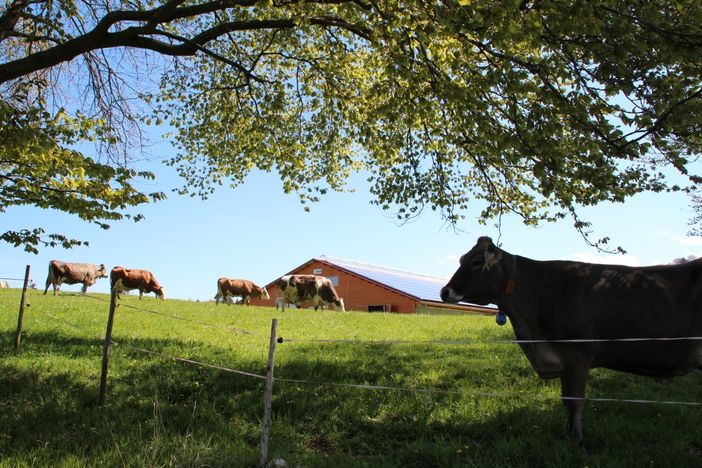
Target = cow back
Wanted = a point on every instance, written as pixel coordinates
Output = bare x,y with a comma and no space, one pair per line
235,287
72,273
135,279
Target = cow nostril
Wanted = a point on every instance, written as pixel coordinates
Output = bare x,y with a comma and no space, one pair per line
444,293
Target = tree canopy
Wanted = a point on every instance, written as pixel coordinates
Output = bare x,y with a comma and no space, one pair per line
532,107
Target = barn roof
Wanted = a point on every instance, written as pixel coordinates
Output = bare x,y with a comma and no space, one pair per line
421,287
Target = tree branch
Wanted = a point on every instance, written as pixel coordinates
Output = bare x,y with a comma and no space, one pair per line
101,37
9,18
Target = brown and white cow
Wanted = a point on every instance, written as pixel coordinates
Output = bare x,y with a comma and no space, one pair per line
229,287
72,273
126,279
571,317
299,288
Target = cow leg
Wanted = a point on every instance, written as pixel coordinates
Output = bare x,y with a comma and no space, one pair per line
141,293
84,289
573,392
57,285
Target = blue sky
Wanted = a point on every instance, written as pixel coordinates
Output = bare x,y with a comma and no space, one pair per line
259,233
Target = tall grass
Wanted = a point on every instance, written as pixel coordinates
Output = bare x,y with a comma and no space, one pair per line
446,404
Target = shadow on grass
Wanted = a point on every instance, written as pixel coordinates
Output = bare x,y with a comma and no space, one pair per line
162,412
158,411
499,416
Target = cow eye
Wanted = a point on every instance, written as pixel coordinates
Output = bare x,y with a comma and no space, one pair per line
476,262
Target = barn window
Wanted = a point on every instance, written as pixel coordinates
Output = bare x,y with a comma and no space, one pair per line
379,307
334,280
317,271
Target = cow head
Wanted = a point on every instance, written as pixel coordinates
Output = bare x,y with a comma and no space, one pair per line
264,293
102,271
283,282
480,279
340,305
159,293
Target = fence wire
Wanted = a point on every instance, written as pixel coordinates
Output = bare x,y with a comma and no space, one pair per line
240,331
397,388
480,342
157,353
189,361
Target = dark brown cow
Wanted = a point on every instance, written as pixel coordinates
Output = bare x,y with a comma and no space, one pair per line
228,287
318,289
126,279
72,273
609,316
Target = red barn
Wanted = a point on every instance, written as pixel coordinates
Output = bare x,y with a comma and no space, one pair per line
369,288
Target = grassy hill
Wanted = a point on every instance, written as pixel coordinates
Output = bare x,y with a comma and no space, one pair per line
442,404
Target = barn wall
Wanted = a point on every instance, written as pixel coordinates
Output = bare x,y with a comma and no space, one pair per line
358,293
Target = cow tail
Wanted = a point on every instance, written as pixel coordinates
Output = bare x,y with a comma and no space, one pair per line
219,294
50,277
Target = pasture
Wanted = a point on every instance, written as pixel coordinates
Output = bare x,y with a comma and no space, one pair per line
486,406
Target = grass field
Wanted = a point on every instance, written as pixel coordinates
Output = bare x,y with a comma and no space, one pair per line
486,406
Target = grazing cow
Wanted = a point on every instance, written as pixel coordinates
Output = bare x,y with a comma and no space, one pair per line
227,287
3,284
576,316
125,279
318,289
72,273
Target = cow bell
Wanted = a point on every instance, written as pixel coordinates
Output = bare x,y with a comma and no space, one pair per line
501,318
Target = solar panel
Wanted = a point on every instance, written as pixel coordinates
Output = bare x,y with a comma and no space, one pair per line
422,287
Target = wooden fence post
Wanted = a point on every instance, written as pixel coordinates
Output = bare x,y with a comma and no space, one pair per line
20,318
106,347
268,396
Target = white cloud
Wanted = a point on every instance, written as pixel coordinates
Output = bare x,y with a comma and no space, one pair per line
688,241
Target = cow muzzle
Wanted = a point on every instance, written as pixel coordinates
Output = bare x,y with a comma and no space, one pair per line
449,295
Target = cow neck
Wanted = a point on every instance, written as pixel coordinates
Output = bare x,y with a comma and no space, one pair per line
504,305
511,276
